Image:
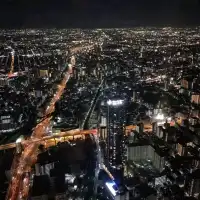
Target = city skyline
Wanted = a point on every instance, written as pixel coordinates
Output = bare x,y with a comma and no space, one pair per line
100,113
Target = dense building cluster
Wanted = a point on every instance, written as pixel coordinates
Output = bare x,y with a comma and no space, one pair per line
140,90
30,68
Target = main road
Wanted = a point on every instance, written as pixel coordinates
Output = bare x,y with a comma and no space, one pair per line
29,154
17,188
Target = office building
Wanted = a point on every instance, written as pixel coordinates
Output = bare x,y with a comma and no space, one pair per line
43,73
103,128
43,169
142,153
3,81
115,138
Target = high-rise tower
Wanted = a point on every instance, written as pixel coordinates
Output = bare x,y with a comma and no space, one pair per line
115,138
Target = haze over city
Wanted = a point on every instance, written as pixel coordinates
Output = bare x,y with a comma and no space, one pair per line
94,14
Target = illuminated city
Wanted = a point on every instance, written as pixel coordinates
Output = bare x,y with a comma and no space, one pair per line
100,114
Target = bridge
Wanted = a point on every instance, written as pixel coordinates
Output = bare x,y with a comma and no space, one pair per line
67,135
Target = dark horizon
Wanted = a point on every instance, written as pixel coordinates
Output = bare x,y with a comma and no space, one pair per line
93,13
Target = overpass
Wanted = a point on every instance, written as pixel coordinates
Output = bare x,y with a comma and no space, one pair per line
68,134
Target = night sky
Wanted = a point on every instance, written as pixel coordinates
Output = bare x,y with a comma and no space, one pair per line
102,13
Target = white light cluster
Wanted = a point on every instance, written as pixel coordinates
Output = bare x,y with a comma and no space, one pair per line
169,119
160,117
110,187
19,140
115,103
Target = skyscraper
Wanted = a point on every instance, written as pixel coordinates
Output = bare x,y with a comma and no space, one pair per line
115,138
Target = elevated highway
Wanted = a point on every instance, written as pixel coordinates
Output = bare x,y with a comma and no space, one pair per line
30,152
68,135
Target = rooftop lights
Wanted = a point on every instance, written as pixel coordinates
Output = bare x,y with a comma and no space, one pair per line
160,116
115,102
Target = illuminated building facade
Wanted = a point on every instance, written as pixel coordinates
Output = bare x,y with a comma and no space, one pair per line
43,73
115,137
195,98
